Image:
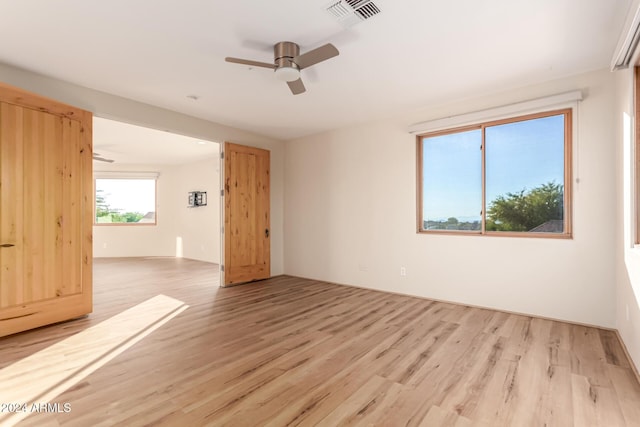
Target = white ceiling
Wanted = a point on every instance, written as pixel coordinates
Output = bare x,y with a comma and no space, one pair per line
414,54
128,144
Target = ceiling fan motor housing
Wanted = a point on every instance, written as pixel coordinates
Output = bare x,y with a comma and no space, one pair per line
284,52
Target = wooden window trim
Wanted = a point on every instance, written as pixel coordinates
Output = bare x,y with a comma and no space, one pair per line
127,224
568,175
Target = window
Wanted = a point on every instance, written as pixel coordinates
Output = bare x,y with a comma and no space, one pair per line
125,201
507,177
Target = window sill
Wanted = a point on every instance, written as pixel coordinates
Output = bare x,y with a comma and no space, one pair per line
125,224
554,236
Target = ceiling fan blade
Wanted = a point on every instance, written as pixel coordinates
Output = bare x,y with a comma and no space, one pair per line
297,87
102,159
249,62
314,56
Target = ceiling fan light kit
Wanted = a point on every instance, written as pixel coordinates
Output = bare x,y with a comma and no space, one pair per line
287,62
287,74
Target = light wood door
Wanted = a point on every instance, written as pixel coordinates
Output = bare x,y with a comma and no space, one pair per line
46,204
246,214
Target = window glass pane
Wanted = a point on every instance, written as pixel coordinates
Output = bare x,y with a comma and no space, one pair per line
125,201
452,181
525,176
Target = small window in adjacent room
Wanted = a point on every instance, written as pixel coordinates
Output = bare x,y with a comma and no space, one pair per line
509,177
124,201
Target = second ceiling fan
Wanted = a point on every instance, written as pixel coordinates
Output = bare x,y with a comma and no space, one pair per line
287,62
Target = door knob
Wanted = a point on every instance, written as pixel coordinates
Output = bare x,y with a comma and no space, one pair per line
6,245
266,232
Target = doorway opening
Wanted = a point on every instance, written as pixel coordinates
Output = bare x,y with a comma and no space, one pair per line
155,218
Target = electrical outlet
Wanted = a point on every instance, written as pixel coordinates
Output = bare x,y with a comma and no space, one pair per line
403,271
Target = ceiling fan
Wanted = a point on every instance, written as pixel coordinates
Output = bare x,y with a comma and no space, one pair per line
287,62
98,157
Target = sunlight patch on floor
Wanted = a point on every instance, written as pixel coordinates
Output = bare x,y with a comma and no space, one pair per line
44,375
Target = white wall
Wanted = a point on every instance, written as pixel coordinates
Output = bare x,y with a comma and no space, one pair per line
350,209
198,229
125,110
628,257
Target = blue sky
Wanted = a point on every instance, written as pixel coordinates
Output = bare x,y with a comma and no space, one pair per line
520,155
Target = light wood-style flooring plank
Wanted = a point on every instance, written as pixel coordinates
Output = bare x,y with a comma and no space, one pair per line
289,351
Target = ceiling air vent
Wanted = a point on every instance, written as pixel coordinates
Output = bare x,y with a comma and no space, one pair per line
350,12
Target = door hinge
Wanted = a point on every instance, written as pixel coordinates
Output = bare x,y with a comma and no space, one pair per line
222,230
222,268
222,155
221,193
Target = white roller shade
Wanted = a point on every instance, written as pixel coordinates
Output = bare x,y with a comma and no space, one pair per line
563,100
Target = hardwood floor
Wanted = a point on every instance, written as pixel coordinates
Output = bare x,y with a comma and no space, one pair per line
289,351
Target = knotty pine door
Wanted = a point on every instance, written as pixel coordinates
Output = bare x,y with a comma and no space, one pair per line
247,254
46,211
